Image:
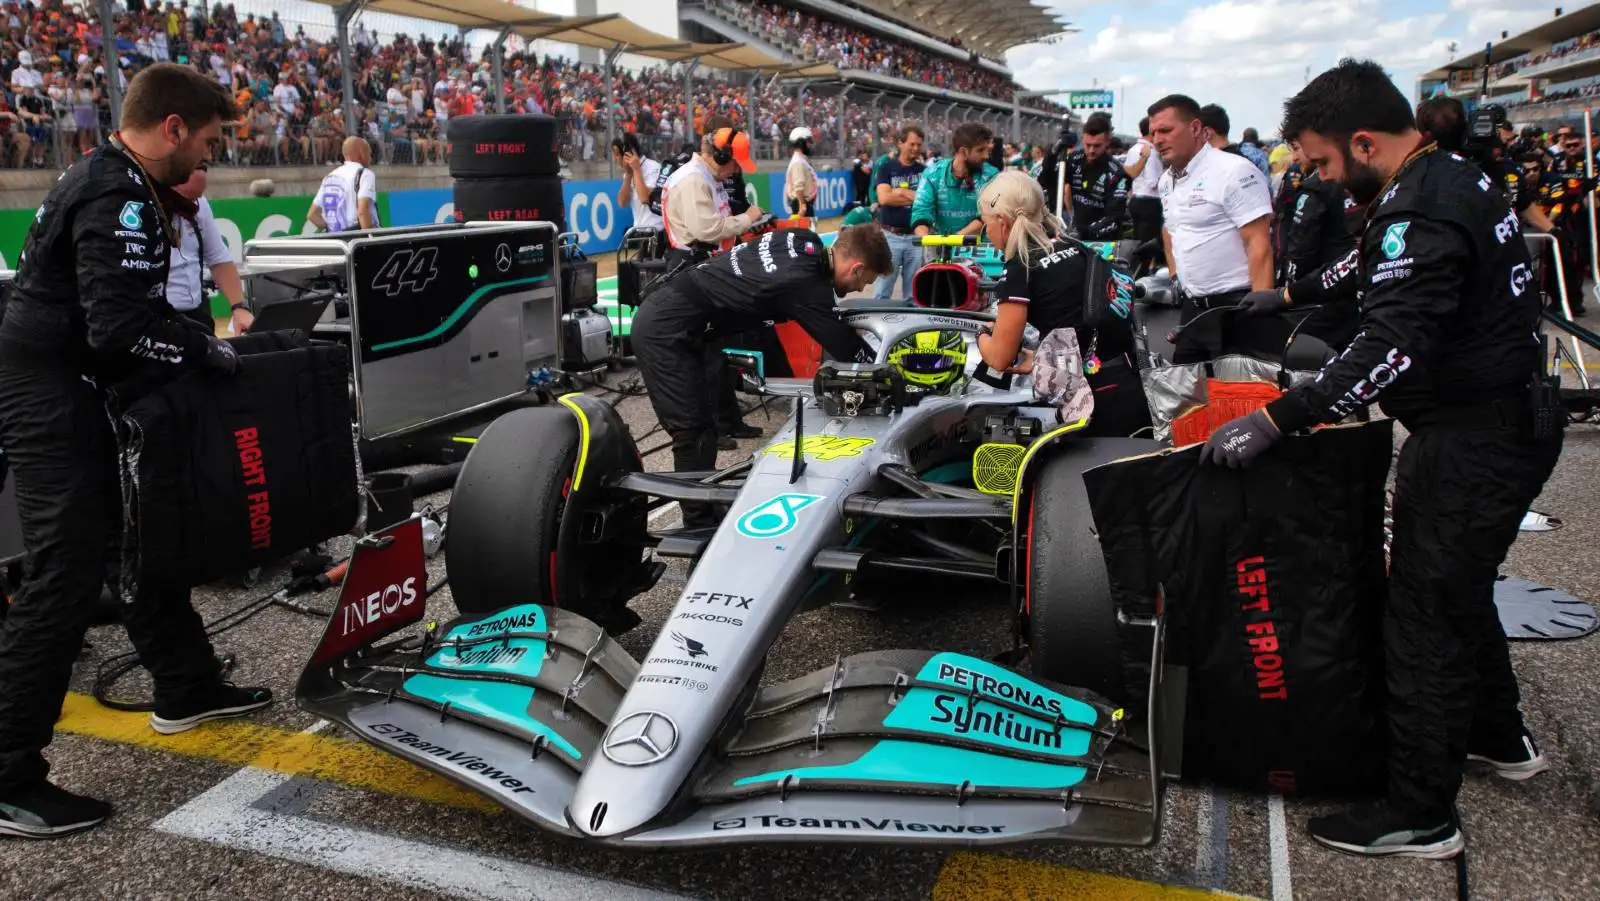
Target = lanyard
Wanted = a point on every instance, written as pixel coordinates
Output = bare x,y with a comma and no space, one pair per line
149,186
1423,149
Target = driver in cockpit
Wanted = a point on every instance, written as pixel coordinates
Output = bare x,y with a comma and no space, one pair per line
782,276
1043,286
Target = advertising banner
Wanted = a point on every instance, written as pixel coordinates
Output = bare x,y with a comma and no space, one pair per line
591,208
834,191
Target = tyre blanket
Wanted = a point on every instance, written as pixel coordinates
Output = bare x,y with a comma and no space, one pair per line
1274,583
220,475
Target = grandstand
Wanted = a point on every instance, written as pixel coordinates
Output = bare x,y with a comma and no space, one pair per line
938,62
1544,76
934,58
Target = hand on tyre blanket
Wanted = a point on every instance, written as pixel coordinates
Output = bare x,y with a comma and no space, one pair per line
1240,441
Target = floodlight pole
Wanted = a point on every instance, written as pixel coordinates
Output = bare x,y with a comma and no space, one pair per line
108,46
688,100
844,105
611,117
499,51
342,17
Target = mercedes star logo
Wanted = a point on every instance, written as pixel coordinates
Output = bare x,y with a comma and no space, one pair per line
640,739
502,257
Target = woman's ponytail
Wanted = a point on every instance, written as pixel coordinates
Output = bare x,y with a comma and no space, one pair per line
1017,197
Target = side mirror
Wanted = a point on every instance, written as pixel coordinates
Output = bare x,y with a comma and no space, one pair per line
751,367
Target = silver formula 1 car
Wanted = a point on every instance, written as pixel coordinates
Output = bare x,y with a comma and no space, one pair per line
920,465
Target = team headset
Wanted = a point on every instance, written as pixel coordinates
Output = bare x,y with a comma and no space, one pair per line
722,145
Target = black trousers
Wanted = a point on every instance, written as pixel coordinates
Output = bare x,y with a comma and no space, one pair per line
1147,218
1203,332
669,343
1575,264
1460,494
62,455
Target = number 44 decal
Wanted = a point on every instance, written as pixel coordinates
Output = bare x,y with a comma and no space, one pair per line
407,270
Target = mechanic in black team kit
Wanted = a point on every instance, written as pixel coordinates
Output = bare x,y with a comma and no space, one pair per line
1449,341
781,276
89,310
1321,226
1043,286
1096,184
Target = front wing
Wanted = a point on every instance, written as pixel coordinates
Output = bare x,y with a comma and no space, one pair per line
900,747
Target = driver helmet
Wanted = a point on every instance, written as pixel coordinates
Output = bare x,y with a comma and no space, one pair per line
931,361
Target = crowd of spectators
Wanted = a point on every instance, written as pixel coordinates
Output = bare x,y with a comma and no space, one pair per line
1576,45
56,99
821,40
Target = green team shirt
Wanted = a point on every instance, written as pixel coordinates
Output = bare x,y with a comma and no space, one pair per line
944,203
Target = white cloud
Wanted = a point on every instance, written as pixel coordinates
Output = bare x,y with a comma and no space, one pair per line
1249,55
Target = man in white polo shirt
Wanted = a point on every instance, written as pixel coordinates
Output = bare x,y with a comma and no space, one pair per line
1217,214
348,197
1143,165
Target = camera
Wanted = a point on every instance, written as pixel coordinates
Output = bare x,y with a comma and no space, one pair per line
1483,131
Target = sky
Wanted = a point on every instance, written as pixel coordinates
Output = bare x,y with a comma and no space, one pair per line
1250,56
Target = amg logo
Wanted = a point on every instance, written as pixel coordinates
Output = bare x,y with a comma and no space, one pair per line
1001,723
766,821
469,762
505,624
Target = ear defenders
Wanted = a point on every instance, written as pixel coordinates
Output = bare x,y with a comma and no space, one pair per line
722,145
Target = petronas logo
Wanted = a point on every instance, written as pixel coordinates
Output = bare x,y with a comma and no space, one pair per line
1394,240
775,517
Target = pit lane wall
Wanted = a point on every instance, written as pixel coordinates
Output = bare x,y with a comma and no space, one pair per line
591,208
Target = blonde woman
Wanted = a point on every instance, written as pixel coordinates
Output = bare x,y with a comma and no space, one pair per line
1043,286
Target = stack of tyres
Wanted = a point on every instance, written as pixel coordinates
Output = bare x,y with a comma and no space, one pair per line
506,169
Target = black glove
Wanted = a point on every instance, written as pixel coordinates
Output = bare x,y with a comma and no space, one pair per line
221,357
1241,440
1101,229
1260,303
193,324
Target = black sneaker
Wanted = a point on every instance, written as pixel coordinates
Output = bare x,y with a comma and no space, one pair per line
726,442
743,431
44,810
1379,830
1516,759
224,700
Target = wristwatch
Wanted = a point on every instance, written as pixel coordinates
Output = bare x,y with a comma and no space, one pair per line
237,307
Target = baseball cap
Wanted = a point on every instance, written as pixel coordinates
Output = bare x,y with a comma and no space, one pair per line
723,138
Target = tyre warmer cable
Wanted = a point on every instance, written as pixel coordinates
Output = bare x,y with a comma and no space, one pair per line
112,669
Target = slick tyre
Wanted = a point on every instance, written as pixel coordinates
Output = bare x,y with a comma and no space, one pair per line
505,514
503,146
1074,631
510,200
